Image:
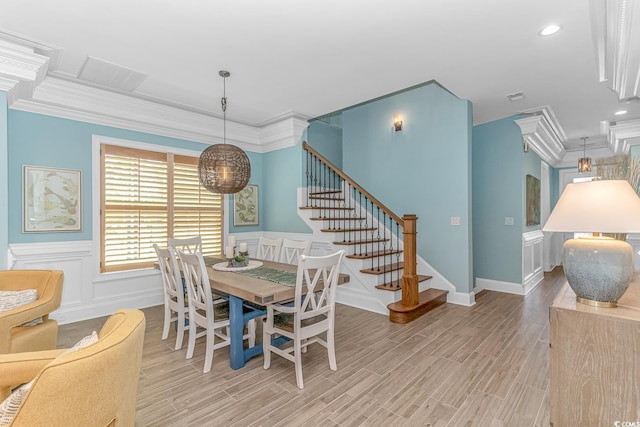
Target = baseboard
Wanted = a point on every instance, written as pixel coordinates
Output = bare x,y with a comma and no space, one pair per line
361,300
105,308
499,286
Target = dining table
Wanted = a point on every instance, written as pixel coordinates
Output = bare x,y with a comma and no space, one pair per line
250,291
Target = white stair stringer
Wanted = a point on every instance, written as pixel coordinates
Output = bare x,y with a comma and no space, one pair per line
360,292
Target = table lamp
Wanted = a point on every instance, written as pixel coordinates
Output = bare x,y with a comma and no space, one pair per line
598,269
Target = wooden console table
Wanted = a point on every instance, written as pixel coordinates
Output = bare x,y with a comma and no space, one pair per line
595,361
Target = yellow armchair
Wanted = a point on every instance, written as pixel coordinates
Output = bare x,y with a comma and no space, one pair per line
15,338
93,386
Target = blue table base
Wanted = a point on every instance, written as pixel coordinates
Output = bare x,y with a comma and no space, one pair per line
237,319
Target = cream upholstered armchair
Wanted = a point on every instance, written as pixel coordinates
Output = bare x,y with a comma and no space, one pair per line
93,386
15,338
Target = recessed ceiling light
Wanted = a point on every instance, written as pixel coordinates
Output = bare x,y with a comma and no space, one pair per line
549,29
621,112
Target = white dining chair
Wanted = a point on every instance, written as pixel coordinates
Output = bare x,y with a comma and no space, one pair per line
205,313
312,313
190,244
291,249
175,305
269,249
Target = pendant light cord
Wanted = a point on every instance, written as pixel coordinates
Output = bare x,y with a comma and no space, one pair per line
223,101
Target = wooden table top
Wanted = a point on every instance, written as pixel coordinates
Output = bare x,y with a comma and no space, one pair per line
255,290
628,305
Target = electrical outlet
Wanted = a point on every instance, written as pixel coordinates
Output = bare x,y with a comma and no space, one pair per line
455,220
508,220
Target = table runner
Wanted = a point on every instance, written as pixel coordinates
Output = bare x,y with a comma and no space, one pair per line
286,278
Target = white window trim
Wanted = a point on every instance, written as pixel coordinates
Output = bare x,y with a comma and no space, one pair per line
96,142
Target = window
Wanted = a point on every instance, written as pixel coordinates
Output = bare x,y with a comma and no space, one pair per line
147,197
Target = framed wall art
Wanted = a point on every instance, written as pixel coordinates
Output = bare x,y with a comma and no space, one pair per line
245,206
533,200
52,199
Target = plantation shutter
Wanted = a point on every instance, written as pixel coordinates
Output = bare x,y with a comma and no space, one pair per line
197,211
147,197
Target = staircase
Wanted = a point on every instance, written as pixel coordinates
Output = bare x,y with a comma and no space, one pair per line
378,258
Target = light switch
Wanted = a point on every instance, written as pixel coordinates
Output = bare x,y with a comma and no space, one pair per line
455,220
508,220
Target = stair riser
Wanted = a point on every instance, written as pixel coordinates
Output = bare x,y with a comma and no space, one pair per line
354,236
372,280
362,248
381,260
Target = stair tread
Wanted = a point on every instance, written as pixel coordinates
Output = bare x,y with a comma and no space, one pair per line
360,242
335,219
425,298
328,208
383,268
341,199
318,193
393,286
345,230
374,254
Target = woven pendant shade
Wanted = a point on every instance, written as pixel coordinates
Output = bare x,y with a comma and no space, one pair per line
224,168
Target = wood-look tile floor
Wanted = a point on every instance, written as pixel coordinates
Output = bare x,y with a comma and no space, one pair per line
486,365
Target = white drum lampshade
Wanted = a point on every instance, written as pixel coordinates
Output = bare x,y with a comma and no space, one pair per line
598,269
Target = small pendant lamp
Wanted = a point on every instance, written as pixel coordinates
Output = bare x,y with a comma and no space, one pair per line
224,168
584,163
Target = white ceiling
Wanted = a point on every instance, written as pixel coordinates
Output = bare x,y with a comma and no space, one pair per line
316,57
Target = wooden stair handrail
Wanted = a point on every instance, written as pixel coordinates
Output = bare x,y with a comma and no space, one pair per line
344,176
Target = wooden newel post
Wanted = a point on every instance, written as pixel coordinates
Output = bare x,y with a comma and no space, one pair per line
410,295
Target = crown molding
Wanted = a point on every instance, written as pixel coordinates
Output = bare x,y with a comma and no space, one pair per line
283,131
7,84
543,134
570,158
622,135
21,69
72,100
22,63
614,25
31,87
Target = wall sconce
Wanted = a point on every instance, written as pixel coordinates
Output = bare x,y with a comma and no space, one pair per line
525,146
397,124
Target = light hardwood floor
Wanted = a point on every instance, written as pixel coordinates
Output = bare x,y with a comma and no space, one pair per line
486,365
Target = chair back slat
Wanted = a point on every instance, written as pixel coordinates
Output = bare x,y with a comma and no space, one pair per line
198,287
292,249
316,283
190,245
171,278
269,249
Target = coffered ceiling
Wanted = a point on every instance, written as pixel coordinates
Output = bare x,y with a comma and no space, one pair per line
310,58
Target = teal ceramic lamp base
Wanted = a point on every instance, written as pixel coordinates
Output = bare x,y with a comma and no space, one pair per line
598,269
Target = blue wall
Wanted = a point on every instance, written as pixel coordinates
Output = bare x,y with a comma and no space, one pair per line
282,177
40,140
500,167
327,140
422,170
4,178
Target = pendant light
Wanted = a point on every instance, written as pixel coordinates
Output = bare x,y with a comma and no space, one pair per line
224,168
584,163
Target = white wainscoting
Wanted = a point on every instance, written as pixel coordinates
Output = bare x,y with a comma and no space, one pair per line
532,268
532,259
87,294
